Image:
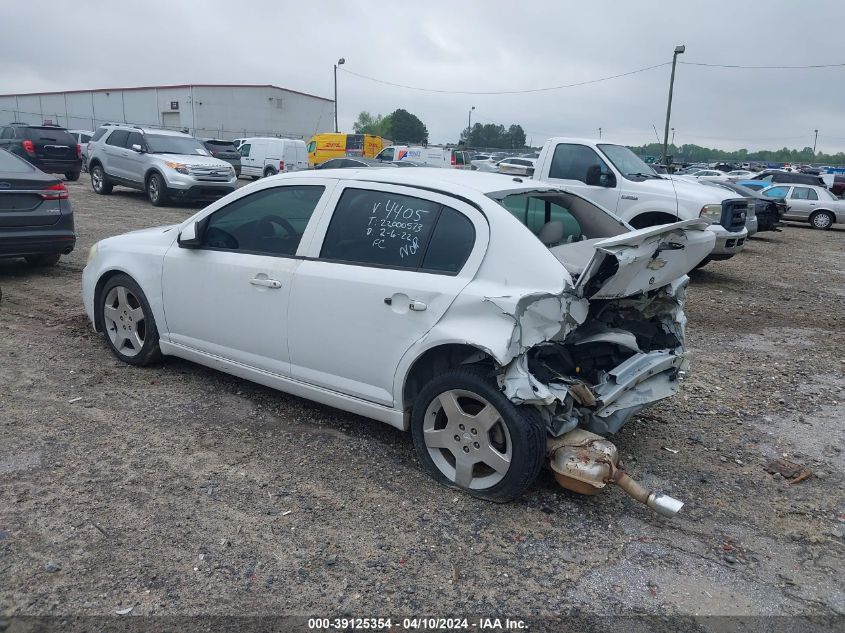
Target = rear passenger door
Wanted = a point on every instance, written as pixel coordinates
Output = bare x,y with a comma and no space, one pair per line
383,268
802,202
114,154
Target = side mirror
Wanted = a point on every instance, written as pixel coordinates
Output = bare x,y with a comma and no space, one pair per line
190,237
137,148
607,180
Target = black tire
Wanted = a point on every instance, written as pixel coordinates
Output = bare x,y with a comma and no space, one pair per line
270,172
525,434
822,220
100,183
156,190
145,354
72,176
46,259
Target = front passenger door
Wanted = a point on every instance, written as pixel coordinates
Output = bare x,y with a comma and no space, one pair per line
229,297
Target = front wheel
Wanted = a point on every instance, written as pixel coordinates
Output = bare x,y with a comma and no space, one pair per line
821,220
156,190
128,322
468,435
99,182
270,172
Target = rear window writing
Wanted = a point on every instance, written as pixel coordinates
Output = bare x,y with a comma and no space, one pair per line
375,227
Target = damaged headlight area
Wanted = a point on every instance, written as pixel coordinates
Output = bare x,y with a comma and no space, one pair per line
628,354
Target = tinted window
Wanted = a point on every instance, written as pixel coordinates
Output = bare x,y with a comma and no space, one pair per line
135,138
7,133
269,222
451,243
244,149
84,138
50,135
379,228
776,192
577,162
118,138
332,163
220,145
354,142
99,134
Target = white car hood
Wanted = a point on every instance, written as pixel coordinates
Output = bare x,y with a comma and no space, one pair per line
686,190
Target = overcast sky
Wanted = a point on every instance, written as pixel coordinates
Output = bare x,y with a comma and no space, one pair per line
471,45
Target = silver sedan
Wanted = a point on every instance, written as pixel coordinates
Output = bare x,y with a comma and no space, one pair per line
809,203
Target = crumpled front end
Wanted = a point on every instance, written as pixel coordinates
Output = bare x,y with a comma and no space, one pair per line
625,354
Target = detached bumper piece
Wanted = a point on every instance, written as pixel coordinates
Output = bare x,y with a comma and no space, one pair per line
585,463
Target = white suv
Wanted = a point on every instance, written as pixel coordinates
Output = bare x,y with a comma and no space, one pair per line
166,165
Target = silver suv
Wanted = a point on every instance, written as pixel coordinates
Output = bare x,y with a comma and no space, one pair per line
166,165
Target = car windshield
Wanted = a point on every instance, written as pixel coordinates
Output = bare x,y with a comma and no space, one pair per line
627,162
166,144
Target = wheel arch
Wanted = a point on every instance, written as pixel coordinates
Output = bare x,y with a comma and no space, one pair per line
436,360
652,218
153,170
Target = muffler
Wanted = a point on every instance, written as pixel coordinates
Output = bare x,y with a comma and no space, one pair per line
585,463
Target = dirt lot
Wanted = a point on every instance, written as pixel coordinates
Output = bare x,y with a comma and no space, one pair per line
179,490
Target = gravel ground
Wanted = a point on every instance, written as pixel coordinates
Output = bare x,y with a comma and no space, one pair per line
179,490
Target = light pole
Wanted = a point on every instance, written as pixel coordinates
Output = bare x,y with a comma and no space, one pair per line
340,62
678,51
599,133
815,140
469,122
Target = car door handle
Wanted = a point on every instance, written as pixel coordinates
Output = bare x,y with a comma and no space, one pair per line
416,306
266,283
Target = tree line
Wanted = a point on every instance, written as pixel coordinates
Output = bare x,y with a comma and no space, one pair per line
698,154
401,126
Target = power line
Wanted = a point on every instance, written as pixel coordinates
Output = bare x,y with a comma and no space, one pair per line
503,92
762,67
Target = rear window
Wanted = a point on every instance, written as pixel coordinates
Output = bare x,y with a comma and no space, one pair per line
50,134
226,146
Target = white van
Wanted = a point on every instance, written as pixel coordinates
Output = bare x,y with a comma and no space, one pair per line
431,156
268,156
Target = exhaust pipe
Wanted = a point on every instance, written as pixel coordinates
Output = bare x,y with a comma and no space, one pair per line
585,463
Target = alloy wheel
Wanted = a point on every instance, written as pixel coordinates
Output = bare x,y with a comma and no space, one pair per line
125,321
467,439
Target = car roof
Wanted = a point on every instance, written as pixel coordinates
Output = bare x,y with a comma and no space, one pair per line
145,130
459,181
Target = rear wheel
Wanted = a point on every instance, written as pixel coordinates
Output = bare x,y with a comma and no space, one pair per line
468,435
156,190
46,259
128,322
99,181
822,220
72,175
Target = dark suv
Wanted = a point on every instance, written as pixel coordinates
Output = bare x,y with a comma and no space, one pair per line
794,177
224,150
36,219
49,147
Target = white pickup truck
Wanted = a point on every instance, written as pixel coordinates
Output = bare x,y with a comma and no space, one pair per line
615,178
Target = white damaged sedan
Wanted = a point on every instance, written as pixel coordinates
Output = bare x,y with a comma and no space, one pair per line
506,325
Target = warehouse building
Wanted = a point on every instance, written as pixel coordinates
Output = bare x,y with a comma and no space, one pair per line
218,111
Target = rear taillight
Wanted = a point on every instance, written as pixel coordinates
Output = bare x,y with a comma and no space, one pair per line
28,147
454,159
78,150
281,165
55,192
